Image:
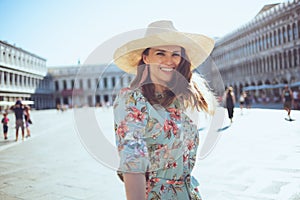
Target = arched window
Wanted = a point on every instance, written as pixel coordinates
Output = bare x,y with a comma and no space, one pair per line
272,68
290,33
271,40
290,59
262,65
64,84
275,38
260,44
10,78
284,35
276,62
5,77
279,37
298,24
295,57
256,69
20,80
81,84
295,31
267,65
113,80
280,61
89,83
16,79
105,82
285,60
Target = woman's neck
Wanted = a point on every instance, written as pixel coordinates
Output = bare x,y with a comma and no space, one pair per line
160,89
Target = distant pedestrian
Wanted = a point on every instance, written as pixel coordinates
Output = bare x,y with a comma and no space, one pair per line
18,109
27,120
230,102
5,121
287,99
107,105
58,108
296,99
242,101
248,100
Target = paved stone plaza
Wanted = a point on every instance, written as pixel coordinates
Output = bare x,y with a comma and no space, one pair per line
256,158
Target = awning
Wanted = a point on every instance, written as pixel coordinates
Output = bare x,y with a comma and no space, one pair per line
260,87
251,87
295,84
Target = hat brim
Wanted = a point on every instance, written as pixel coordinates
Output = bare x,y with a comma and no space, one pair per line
197,47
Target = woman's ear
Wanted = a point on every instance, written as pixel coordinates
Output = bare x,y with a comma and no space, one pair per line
145,59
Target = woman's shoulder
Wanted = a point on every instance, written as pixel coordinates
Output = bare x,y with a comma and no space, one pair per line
128,92
128,95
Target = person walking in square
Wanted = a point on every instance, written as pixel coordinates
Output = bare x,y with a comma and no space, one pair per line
296,99
156,140
248,100
230,102
5,121
287,99
18,109
242,99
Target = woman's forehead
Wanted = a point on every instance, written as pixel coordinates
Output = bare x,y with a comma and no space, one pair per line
170,48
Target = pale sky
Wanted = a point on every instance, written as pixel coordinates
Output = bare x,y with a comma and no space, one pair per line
63,31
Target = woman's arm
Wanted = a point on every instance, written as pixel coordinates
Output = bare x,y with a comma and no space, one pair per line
135,186
28,115
233,98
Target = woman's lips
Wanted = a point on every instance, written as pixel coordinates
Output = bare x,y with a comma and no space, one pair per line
167,69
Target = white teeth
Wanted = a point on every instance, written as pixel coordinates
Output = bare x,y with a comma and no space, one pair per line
166,69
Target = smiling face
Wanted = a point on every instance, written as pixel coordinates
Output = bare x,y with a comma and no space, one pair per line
163,62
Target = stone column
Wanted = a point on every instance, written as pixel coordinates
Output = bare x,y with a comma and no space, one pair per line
93,100
2,77
13,80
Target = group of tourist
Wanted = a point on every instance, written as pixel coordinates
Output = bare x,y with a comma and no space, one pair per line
289,98
22,120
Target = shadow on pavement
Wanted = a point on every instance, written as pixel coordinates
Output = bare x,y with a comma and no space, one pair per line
4,142
201,129
223,129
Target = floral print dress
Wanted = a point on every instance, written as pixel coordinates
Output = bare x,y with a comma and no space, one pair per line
160,143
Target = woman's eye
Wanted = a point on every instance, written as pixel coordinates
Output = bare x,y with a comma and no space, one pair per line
160,53
176,54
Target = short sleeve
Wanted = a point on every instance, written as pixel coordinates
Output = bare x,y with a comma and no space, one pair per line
130,120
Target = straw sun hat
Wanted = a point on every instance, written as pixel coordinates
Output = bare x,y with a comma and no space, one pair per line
160,33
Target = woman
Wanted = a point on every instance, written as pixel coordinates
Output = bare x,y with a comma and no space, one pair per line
242,99
230,102
156,140
288,100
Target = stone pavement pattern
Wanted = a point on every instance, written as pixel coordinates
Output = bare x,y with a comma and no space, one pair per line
257,157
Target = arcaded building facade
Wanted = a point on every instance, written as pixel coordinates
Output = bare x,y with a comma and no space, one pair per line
259,57
87,85
264,54
21,75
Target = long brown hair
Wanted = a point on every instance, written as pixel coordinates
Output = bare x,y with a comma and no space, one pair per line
179,87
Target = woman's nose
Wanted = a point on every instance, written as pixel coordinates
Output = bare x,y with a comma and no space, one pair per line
169,60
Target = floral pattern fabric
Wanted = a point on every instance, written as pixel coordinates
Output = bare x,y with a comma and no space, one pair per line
162,143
